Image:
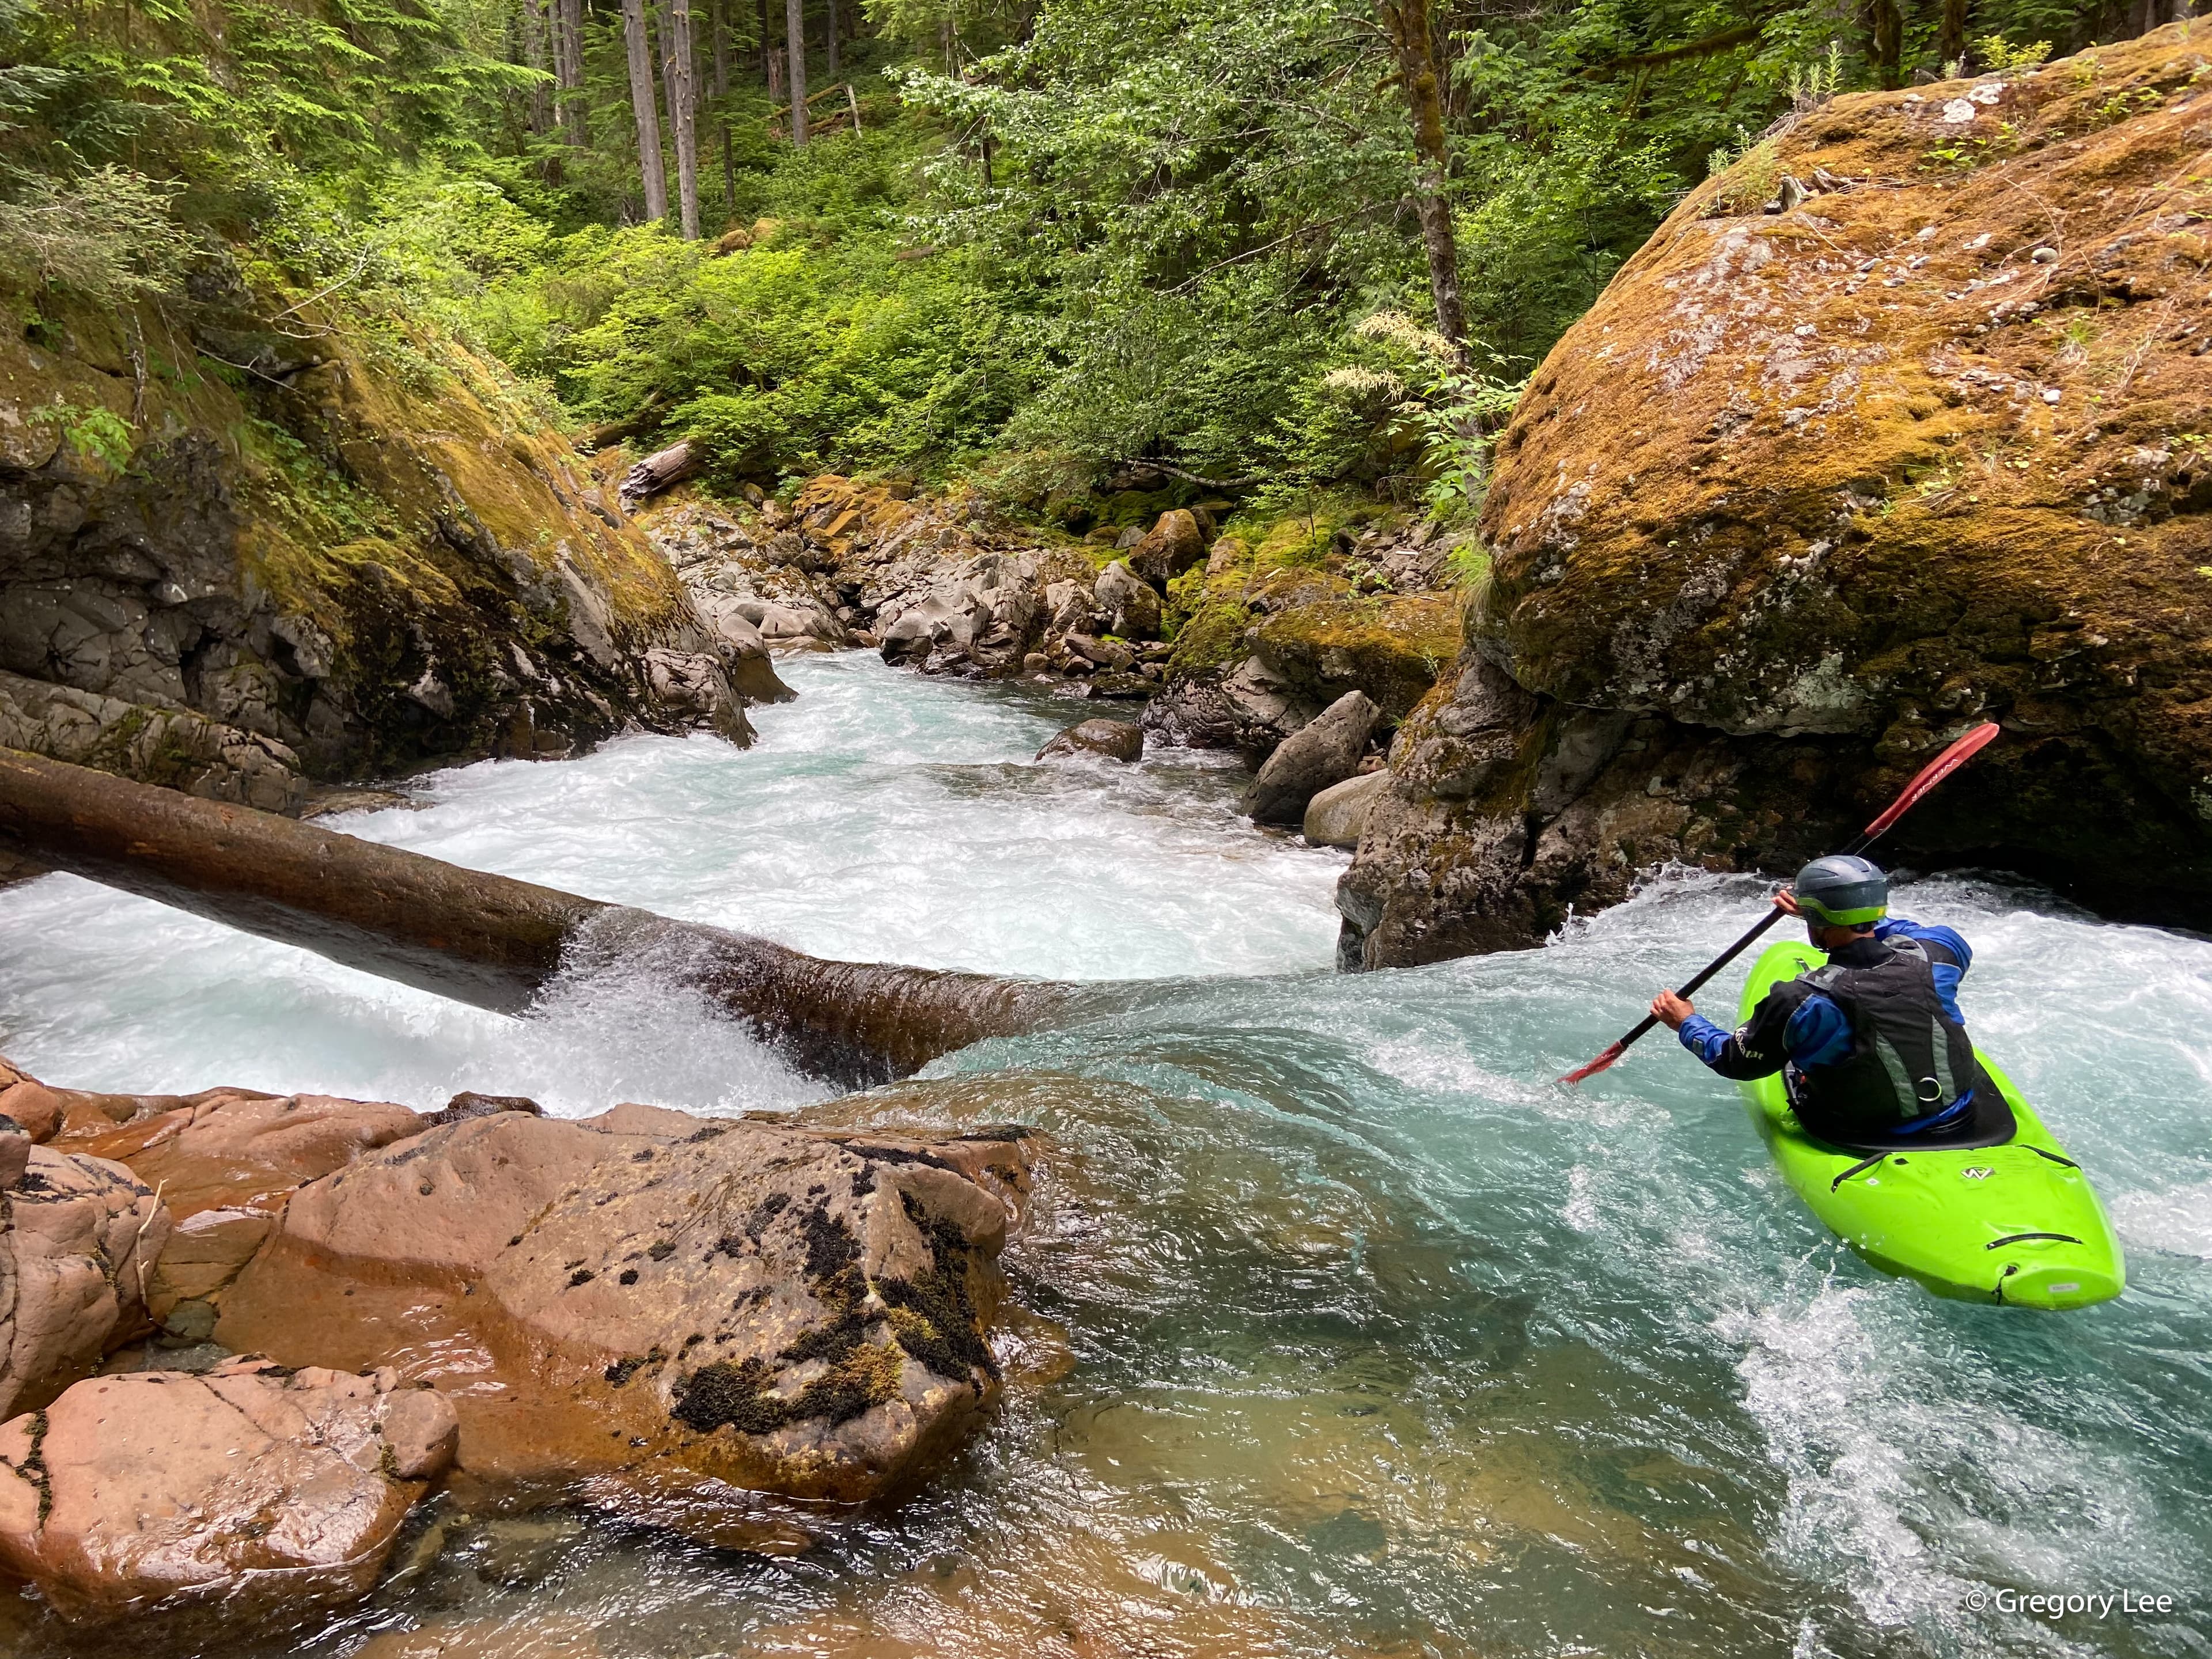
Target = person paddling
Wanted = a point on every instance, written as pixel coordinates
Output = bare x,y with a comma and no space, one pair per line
1873,1045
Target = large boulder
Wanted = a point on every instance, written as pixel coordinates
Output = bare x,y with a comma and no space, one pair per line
658,1313
1325,751
254,1484
1857,451
76,1260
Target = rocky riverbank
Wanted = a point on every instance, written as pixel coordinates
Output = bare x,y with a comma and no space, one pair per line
243,554
245,1334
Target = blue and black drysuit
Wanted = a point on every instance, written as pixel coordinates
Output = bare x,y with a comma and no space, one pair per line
1873,1044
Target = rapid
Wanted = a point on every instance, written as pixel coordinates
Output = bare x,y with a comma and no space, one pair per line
1342,1329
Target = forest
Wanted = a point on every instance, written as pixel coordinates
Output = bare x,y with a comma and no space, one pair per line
1270,244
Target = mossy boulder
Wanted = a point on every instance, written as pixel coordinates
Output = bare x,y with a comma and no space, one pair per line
1902,434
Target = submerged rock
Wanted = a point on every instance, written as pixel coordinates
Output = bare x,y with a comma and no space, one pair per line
252,1483
1323,751
1809,491
1120,740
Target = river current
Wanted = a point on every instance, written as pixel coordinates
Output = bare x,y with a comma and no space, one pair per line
1346,1330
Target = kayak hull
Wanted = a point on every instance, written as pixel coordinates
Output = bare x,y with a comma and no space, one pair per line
2017,1224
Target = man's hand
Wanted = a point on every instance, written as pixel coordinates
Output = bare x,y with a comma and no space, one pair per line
1786,902
1670,1011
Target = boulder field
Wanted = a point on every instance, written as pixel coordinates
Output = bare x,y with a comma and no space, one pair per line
1897,425
734,1329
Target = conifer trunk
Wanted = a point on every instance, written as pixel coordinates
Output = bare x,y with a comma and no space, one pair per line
721,25
1951,37
680,81
1406,21
830,39
534,53
639,45
794,35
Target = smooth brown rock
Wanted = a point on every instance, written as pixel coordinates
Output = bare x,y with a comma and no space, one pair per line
35,1108
1119,740
1335,816
525,1636
657,1313
249,1484
76,1260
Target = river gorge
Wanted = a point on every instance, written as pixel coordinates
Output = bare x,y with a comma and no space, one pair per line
1338,1326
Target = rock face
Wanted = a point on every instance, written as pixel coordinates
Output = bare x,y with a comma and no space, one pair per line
656,1313
1325,751
252,1483
382,571
1809,490
1119,740
1130,604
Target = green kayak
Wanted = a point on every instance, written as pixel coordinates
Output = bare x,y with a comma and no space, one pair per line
2016,1223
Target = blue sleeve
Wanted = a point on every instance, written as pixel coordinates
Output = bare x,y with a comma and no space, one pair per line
1817,1033
1946,974
1703,1038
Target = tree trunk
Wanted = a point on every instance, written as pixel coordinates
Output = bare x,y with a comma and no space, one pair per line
534,53
1887,47
663,470
1407,24
678,78
1951,38
767,49
721,25
775,88
568,68
645,105
794,34
830,37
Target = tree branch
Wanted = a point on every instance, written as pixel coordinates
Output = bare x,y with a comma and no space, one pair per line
1742,34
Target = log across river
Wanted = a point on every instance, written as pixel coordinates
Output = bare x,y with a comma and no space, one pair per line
484,939
1347,1332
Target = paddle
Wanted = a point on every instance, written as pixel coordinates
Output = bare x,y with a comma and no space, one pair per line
1930,776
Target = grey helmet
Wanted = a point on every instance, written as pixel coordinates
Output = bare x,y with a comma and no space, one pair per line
1841,891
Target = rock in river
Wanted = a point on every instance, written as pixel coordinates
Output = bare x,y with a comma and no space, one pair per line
1323,751
1120,740
1335,816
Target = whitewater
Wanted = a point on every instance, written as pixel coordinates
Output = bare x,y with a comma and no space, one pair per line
1342,1329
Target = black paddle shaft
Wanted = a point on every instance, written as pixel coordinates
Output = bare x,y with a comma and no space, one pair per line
1750,937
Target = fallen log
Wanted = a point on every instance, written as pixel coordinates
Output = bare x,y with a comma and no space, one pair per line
663,470
491,940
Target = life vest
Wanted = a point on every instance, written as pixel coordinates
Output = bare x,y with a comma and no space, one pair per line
1910,1060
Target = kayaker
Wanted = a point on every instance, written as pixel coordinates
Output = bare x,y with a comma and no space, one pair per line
1873,1042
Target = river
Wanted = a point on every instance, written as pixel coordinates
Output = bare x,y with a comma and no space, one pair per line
1347,1331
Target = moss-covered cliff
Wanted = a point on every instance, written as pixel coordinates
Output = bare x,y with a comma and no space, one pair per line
1898,424
292,547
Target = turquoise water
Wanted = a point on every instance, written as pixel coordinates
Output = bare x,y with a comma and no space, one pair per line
1347,1331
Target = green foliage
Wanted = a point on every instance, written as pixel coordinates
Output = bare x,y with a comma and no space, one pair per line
95,433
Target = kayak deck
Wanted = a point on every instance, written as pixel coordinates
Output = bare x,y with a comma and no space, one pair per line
2017,1224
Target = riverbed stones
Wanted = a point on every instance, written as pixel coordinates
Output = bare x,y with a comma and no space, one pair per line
1118,740
1325,751
254,1483
1335,816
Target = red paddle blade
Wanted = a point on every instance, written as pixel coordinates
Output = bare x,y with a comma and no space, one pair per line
1964,750
1591,1069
